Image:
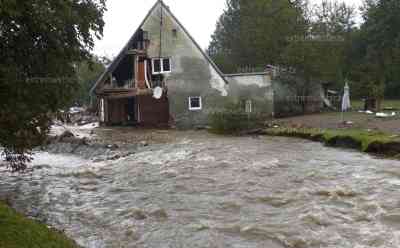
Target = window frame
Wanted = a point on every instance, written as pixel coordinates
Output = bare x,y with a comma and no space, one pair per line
162,71
248,106
195,108
170,66
153,67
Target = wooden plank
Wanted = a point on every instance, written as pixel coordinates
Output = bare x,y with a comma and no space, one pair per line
136,92
141,79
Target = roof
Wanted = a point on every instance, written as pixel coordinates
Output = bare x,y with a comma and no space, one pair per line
247,74
120,56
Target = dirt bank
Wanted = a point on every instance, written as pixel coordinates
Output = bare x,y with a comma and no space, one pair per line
376,143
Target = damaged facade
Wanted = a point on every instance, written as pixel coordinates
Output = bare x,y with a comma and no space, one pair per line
162,77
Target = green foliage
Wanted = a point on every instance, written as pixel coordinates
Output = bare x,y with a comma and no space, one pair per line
233,120
285,108
311,41
40,44
395,104
17,231
87,74
319,55
320,43
376,50
254,33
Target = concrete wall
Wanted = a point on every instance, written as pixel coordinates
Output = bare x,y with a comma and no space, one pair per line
192,73
256,87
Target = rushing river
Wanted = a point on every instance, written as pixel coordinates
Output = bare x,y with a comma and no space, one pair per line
208,191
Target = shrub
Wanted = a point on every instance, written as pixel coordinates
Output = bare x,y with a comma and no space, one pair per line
233,120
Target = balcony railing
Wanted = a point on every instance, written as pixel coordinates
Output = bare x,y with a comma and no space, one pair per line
130,83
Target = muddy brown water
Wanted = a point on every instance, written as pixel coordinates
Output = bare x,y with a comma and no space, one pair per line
209,191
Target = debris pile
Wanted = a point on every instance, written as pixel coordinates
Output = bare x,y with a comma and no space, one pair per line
77,116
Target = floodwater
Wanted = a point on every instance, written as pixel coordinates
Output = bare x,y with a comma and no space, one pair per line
208,191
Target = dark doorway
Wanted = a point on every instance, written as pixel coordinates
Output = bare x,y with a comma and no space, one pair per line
153,112
142,110
131,106
122,111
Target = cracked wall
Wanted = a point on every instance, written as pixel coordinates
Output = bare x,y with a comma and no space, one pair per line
257,87
192,73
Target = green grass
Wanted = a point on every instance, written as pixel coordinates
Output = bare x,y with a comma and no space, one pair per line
362,137
365,141
16,231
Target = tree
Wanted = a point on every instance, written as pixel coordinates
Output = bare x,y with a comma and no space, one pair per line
379,49
226,38
320,54
40,43
87,74
254,33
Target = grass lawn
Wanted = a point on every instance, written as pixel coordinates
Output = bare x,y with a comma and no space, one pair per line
362,131
365,138
17,231
332,120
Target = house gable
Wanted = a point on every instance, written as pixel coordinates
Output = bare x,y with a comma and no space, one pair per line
163,28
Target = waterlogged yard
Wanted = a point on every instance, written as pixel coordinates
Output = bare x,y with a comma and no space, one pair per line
202,190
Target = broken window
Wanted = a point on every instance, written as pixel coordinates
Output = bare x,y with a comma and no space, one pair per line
161,65
124,73
195,103
140,41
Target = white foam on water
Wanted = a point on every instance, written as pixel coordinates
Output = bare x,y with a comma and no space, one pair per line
58,160
160,157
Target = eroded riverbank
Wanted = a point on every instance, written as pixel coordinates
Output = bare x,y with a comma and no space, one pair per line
201,190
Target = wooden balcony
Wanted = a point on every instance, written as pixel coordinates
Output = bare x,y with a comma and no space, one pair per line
130,89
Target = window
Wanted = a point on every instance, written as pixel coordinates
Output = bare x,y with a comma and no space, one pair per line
161,65
156,66
195,103
175,32
249,106
166,65
145,35
102,110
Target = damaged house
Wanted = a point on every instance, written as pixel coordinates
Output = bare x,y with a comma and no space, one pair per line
162,77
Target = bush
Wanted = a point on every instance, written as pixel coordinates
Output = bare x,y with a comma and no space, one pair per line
285,108
233,120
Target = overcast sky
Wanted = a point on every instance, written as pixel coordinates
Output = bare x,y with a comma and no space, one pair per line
199,17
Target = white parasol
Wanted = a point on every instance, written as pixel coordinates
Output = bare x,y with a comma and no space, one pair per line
346,105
